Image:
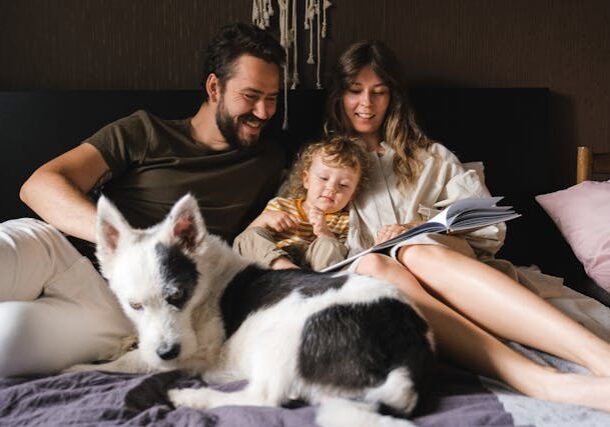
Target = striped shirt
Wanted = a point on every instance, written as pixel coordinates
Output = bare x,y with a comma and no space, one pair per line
303,235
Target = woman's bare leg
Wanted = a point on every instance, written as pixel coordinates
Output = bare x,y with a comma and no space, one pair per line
467,344
504,307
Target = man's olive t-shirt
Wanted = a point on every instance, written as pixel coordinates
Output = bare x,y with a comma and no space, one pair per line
153,162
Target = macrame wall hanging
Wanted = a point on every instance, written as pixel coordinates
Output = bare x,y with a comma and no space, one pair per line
315,25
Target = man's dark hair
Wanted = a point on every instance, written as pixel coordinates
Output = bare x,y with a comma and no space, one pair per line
235,40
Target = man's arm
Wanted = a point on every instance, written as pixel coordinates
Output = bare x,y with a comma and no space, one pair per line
57,190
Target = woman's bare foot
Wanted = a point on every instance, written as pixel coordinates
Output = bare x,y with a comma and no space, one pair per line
594,354
590,391
599,363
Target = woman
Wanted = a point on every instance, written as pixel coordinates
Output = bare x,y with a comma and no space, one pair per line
466,302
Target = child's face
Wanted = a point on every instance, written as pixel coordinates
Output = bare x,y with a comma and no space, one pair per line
329,188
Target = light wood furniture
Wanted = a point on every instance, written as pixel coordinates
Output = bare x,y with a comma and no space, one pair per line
589,163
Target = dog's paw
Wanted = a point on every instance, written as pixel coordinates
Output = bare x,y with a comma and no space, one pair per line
189,397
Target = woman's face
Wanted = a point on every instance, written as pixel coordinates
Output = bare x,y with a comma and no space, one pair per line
365,103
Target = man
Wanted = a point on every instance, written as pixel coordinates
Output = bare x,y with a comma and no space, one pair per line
55,308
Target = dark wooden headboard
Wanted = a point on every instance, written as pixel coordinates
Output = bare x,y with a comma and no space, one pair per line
507,129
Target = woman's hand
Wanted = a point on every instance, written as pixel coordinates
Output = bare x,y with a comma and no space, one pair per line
388,232
318,222
277,221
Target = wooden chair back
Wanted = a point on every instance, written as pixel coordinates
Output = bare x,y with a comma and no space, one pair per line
589,163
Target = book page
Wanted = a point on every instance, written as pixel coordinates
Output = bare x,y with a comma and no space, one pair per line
448,215
462,215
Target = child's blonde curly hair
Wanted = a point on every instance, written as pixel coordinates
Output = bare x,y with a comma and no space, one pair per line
336,151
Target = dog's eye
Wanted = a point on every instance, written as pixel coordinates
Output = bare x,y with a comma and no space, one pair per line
135,305
177,295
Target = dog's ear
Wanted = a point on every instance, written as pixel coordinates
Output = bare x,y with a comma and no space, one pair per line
111,227
186,225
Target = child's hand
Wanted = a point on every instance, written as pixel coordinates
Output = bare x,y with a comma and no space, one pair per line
318,222
277,221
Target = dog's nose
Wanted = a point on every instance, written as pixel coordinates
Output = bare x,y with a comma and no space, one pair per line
168,351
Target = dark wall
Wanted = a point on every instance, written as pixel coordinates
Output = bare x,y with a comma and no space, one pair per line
157,44
560,44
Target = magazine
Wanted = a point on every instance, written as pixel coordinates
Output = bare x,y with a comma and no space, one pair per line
462,215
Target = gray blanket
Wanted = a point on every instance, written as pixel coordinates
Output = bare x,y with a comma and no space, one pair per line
453,398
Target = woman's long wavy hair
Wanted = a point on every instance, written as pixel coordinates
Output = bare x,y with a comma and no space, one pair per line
399,129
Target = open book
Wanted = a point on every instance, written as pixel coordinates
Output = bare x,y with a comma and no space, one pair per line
462,215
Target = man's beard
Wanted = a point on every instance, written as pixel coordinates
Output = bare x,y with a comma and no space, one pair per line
229,126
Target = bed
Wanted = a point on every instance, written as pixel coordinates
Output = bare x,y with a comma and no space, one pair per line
492,126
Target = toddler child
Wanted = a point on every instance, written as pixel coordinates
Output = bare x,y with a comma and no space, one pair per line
309,228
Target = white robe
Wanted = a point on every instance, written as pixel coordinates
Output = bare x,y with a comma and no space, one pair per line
442,180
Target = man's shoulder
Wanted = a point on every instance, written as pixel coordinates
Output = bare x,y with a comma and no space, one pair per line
141,116
133,137
137,122
151,120
148,119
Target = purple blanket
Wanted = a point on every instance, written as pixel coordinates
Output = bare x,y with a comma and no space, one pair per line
453,398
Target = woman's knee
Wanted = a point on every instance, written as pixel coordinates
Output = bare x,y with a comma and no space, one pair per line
372,264
416,257
386,268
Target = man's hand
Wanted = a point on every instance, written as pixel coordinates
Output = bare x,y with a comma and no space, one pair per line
277,221
388,232
317,220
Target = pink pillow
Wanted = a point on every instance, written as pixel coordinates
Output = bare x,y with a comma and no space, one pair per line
582,214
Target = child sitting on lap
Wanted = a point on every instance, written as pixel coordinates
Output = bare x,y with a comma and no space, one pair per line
309,228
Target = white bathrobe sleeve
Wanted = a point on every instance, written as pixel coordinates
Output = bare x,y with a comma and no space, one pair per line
441,181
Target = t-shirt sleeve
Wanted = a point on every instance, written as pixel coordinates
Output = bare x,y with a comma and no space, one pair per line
274,205
122,142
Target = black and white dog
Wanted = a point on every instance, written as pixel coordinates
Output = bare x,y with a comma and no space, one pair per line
323,338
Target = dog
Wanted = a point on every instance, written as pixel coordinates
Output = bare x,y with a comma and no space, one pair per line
348,342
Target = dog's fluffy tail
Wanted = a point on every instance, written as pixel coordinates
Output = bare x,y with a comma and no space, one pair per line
337,412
